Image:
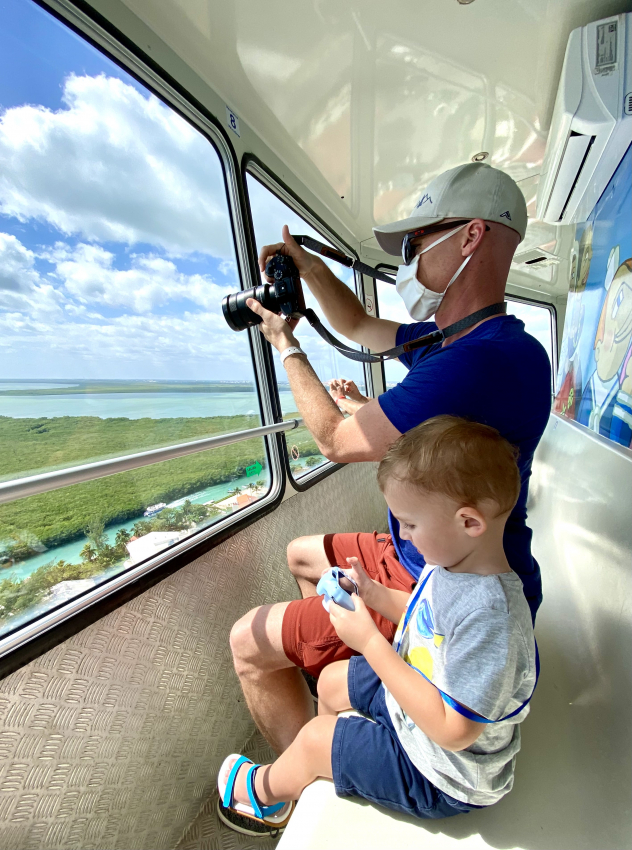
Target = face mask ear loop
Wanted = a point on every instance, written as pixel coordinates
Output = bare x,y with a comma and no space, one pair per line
458,271
443,238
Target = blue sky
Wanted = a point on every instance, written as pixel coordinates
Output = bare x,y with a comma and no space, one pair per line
115,243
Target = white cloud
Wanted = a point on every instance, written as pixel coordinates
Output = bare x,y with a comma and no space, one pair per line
89,274
21,286
17,272
114,165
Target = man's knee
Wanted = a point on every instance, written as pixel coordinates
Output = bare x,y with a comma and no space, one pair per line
256,640
306,557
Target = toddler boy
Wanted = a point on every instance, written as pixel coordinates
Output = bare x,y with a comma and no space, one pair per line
446,700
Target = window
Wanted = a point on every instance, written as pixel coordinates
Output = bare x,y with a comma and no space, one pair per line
538,321
116,249
269,214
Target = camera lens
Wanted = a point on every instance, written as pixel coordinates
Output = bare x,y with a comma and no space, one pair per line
237,313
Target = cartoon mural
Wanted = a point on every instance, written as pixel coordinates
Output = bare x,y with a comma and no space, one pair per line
595,378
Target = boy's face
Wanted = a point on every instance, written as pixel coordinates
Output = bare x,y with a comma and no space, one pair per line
435,524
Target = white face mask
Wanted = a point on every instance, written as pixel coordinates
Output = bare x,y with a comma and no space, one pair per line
421,302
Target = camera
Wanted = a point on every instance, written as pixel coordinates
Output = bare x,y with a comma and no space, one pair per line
285,295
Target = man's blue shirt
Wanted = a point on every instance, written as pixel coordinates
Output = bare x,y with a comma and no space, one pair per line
498,375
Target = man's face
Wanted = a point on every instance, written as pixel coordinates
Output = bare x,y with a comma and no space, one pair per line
438,262
611,350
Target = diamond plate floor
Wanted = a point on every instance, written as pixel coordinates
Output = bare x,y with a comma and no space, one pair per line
207,832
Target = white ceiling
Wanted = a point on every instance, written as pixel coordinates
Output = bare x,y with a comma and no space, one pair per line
367,100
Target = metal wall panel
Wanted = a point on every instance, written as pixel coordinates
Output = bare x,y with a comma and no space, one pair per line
574,773
113,739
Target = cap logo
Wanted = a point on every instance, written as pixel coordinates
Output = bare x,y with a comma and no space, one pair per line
505,215
424,199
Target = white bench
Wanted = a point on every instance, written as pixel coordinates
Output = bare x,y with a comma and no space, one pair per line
571,791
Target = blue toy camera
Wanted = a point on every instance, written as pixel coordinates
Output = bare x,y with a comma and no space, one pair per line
329,588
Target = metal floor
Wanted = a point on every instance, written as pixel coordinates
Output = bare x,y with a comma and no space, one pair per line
207,832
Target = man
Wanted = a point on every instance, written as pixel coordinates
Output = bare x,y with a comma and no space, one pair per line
457,247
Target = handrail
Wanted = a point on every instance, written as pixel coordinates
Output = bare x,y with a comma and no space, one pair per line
34,484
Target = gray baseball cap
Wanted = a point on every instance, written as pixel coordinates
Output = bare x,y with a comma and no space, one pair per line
473,190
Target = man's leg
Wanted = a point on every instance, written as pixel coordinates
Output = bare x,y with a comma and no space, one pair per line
276,692
307,561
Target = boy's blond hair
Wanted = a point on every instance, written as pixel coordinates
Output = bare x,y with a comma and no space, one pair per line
466,461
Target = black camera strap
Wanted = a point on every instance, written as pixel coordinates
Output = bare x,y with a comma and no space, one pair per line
339,257
421,342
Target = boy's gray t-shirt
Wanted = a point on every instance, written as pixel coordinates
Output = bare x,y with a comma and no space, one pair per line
472,636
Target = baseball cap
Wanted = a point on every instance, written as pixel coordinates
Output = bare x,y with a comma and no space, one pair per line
473,190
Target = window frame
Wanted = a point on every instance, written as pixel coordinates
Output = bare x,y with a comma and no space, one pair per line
28,641
253,166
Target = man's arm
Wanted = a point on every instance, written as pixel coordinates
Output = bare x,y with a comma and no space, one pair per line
340,305
365,436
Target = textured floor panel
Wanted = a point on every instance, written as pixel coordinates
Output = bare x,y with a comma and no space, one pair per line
112,740
207,832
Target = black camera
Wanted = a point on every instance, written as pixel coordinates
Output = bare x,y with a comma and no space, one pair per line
285,295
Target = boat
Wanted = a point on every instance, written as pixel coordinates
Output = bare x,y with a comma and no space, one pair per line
152,510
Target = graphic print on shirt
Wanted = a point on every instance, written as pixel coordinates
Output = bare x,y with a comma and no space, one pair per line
422,630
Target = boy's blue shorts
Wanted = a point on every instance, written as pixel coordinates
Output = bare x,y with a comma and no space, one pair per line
368,760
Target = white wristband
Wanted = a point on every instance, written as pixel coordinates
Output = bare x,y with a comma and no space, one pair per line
288,351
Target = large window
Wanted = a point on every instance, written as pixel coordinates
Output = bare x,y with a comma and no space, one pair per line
116,249
538,321
269,214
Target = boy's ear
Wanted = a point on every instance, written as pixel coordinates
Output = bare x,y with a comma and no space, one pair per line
471,521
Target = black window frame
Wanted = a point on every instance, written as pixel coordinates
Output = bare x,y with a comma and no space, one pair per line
253,166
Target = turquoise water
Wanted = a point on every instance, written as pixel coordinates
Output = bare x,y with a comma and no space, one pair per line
70,551
130,406
136,405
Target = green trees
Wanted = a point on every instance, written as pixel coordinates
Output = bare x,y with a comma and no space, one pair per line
96,557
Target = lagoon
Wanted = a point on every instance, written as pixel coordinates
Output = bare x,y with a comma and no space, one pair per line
160,405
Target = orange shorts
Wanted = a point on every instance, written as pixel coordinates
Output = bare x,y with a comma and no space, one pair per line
309,639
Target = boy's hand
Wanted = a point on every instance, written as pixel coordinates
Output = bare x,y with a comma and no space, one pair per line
355,628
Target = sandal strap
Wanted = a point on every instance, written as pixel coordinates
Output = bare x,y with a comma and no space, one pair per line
259,810
227,800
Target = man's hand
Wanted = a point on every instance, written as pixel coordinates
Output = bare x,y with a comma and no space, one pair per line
355,628
341,388
305,262
276,329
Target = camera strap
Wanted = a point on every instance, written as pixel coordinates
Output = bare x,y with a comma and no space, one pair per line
339,257
421,342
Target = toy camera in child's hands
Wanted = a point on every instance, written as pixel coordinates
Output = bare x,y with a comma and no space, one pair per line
330,589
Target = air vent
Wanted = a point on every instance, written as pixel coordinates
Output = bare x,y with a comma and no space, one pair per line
536,258
627,103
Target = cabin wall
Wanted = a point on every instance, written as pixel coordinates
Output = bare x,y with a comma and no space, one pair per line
114,738
576,761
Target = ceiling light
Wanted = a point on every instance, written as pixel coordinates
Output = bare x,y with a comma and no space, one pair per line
464,2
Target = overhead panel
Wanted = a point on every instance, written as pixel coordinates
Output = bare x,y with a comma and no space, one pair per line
302,73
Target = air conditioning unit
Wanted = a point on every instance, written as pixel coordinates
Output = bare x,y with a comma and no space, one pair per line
591,127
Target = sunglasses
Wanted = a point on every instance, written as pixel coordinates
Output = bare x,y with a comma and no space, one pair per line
408,249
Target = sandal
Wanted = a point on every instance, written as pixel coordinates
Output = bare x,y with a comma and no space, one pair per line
253,819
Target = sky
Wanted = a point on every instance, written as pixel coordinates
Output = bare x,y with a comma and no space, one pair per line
115,243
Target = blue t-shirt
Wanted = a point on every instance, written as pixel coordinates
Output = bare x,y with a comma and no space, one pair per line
499,375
